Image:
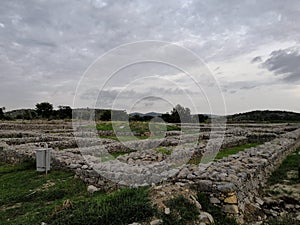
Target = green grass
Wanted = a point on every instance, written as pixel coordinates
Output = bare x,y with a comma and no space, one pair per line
137,127
130,138
280,174
29,197
182,212
231,151
224,153
219,217
121,207
164,150
113,156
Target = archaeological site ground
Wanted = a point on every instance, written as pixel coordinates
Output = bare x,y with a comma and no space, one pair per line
98,177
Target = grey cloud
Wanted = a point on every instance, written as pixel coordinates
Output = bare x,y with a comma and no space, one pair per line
53,42
257,59
284,63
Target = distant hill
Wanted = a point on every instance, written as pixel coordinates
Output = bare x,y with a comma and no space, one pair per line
265,116
153,114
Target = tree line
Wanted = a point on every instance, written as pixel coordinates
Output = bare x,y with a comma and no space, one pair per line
45,110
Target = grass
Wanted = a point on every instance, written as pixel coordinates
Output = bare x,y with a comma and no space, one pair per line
231,151
121,207
182,212
219,217
164,150
136,127
29,197
139,129
130,138
280,174
112,156
224,153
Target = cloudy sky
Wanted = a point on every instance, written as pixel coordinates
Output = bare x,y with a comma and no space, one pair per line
251,48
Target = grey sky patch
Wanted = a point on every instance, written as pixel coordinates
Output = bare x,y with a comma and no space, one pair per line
257,59
49,44
284,63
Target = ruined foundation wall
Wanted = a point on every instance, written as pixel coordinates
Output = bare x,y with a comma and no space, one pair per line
234,183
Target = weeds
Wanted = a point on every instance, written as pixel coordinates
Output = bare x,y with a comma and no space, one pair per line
219,217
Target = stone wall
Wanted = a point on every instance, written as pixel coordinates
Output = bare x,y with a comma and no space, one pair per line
234,183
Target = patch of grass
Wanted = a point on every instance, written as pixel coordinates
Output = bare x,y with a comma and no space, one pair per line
195,160
136,127
121,207
222,153
182,212
26,196
280,174
227,152
29,197
130,138
164,150
219,217
106,126
113,156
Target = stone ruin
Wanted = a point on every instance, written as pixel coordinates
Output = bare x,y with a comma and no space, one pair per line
234,183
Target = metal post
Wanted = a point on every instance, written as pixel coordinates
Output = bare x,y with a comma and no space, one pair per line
45,157
299,165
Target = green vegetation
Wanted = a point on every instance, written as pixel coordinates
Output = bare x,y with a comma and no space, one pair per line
195,160
140,130
112,156
130,138
164,150
219,217
121,207
28,197
225,153
280,174
230,151
266,116
135,127
183,212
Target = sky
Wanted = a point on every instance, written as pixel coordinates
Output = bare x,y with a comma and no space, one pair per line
64,52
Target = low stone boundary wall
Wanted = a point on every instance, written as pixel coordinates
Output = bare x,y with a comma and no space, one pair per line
234,182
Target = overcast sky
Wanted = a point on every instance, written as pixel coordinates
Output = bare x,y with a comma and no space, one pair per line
251,48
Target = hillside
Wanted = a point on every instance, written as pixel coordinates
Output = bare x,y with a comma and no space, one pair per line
265,116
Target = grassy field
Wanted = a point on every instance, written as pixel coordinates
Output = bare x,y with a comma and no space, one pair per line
225,153
231,151
130,138
28,197
137,127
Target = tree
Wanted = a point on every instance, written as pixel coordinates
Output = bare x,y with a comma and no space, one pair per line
2,113
64,112
181,114
44,109
106,115
178,114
